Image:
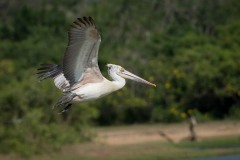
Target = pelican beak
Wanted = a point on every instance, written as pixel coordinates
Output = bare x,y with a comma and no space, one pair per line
128,75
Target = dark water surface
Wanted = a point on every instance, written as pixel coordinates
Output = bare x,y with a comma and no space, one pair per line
228,157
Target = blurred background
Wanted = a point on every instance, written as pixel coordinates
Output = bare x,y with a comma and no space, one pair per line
190,49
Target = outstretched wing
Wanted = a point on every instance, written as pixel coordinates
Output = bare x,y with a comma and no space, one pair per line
80,62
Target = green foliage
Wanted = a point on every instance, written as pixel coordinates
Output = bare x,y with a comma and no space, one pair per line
190,49
29,125
235,112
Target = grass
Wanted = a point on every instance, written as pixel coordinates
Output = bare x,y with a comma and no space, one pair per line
227,142
149,150
153,150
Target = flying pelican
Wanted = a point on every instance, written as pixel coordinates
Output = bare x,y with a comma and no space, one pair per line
79,77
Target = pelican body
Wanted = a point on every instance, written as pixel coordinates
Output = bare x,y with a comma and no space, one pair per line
79,77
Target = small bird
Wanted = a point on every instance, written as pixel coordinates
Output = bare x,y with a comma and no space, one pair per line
79,77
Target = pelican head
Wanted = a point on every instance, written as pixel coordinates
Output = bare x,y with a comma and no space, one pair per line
120,71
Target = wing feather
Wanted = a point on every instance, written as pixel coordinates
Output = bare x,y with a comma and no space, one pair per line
81,54
61,82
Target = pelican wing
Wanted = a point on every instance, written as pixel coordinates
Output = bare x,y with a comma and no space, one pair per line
80,62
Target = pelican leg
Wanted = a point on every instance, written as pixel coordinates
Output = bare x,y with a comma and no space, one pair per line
69,106
65,100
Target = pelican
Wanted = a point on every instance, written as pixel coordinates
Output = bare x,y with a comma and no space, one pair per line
79,77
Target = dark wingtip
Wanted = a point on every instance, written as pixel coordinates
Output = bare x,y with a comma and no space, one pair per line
48,71
91,20
86,21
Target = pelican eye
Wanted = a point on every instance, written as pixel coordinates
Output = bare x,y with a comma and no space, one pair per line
122,69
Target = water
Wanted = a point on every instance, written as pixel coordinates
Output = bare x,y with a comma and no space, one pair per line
228,157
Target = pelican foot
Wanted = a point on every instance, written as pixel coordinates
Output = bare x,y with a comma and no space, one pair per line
69,106
64,100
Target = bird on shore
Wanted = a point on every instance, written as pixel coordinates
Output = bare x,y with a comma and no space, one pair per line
79,77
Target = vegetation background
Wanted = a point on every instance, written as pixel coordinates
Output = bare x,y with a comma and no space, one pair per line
190,49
